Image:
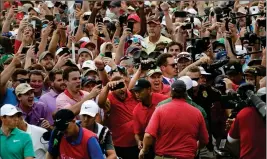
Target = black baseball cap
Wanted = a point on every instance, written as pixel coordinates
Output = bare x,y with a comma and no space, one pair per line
256,70
141,84
218,82
87,80
233,68
179,86
62,119
254,62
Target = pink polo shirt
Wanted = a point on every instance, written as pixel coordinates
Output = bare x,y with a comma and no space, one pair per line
65,99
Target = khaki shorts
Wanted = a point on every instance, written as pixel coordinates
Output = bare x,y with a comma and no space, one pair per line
162,157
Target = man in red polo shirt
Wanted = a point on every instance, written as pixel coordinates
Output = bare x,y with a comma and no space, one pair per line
177,128
249,128
144,109
119,104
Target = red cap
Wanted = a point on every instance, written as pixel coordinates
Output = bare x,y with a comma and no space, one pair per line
135,17
153,20
6,5
84,44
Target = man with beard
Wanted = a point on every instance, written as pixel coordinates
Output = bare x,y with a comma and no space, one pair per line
35,113
119,104
73,97
46,59
144,109
57,87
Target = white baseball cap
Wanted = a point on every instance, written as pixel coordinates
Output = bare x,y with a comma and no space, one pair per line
188,82
84,39
89,64
90,108
9,110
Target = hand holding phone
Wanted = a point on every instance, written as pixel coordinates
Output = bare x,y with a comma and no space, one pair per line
108,54
116,85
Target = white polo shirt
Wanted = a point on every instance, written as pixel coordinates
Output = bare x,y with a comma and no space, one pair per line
36,134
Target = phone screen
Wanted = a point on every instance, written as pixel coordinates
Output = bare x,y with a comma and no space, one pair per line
33,22
24,50
130,26
86,17
108,54
116,40
78,5
49,17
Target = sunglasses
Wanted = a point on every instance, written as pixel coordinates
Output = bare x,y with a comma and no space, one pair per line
195,79
173,65
24,80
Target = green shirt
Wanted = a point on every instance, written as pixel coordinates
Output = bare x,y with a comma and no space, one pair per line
18,145
189,101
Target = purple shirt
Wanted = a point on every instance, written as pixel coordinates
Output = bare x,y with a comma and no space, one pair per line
50,100
39,110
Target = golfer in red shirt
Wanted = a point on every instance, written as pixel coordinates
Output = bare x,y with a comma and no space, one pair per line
144,109
175,128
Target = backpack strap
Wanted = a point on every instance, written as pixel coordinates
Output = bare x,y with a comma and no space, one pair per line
103,134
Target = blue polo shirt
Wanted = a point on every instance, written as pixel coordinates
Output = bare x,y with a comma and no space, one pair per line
17,145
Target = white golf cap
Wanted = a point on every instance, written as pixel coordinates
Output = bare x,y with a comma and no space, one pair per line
188,82
9,110
202,71
107,19
89,64
191,11
90,108
84,39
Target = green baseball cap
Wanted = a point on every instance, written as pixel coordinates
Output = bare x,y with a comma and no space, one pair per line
5,57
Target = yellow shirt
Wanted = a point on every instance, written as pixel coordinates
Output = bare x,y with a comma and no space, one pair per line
151,46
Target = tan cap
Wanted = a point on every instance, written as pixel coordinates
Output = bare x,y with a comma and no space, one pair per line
42,56
23,88
151,72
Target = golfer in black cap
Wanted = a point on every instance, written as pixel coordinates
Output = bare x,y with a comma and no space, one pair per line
144,110
76,142
182,128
